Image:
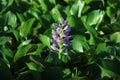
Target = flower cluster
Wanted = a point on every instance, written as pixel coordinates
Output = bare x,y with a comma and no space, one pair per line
61,38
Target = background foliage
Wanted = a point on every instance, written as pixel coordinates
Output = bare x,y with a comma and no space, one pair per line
25,32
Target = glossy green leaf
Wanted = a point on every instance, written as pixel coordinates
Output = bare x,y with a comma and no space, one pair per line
71,20
55,13
7,55
4,40
94,18
45,40
76,44
66,72
11,19
91,40
90,29
52,1
110,12
101,47
43,6
33,66
7,52
115,37
25,27
20,17
8,4
88,1
16,34
77,8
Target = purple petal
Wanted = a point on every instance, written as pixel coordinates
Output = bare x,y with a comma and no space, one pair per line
58,30
59,39
56,25
67,38
54,46
63,50
67,28
67,45
65,34
54,34
64,22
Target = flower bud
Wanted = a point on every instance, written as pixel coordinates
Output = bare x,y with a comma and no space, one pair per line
64,22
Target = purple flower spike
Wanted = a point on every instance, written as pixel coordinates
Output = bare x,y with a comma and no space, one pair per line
61,38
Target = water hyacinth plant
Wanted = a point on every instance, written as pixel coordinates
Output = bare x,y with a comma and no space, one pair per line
61,38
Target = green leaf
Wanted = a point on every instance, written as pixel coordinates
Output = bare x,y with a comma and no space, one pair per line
38,51
90,29
77,8
110,12
101,47
55,13
34,67
91,40
4,40
66,72
45,40
20,17
71,20
5,73
94,18
26,27
22,50
76,44
88,1
84,41
43,6
10,19
7,52
85,9
7,55
10,2
110,67
115,37
15,33
52,1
